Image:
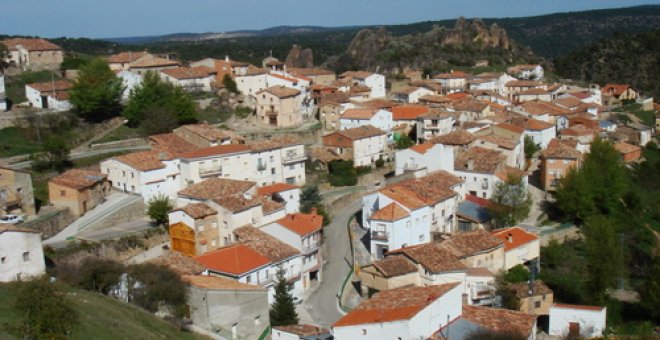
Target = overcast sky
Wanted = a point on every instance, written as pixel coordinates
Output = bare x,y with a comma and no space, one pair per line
123,18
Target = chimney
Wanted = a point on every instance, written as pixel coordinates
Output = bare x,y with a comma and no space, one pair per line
509,238
314,211
226,58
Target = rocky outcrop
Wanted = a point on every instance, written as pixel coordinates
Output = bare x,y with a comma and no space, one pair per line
469,40
301,58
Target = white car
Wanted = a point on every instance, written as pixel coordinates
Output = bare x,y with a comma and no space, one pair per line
11,219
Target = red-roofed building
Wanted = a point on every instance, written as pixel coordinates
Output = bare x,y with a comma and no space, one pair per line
33,54
519,246
303,232
51,95
405,313
614,94
577,321
356,117
288,193
424,158
411,94
237,261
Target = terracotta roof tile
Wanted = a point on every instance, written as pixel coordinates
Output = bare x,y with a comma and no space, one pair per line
456,137
408,112
356,74
234,260
125,57
615,89
216,187
181,264
518,237
523,83
469,243
469,105
79,179
479,271
269,190
577,130
144,160
302,224
52,86
557,149
197,210
582,307
431,256
422,148
359,113
433,98
624,147
210,133
310,72
216,282
30,44
264,244
392,266
542,108
275,143
189,72
568,102
377,104
394,304
171,143
281,91
511,127
500,320
152,61
404,196
361,132
502,142
302,330
480,160
521,289
390,212
507,172
431,189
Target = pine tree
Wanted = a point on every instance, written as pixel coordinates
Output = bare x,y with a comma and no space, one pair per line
512,202
283,311
309,198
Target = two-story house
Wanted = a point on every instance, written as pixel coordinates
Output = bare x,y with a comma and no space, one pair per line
364,144
482,169
280,106
422,159
520,246
21,254
33,54
356,117
373,81
556,160
434,124
191,79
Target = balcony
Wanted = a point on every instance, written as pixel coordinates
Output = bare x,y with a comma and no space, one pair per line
294,157
411,166
380,235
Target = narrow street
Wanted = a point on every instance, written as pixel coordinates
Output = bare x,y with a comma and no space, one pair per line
322,304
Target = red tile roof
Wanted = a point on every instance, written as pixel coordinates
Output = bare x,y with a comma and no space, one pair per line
394,305
171,143
31,44
52,86
392,266
302,331
519,237
615,89
79,179
422,148
281,91
265,244
125,57
197,210
408,112
302,224
216,187
189,72
500,320
359,113
216,282
469,243
235,260
269,190
624,147
431,256
151,61
456,137
558,149
390,212
144,160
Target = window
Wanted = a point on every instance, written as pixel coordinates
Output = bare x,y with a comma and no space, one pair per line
132,175
272,171
537,304
62,192
421,237
3,259
364,331
26,256
248,278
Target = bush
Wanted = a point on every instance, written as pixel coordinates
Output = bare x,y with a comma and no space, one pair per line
152,286
158,209
380,162
99,275
342,173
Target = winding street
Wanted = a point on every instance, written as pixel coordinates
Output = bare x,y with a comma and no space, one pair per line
322,304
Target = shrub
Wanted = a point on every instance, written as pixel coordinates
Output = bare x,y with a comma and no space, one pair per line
152,286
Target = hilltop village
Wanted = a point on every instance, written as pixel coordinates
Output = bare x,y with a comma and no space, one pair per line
351,206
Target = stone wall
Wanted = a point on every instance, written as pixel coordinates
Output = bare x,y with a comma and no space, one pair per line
307,137
51,221
119,144
128,213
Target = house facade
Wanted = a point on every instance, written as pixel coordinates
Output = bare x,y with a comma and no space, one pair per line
422,159
52,95
356,117
16,192
191,79
364,144
78,190
21,255
577,320
520,246
279,106
33,54
556,160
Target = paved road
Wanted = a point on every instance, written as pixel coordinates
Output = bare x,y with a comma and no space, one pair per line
322,304
84,154
114,202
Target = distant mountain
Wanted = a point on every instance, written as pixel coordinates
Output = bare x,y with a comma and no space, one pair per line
621,58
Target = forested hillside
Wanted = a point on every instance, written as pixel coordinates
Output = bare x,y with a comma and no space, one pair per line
622,58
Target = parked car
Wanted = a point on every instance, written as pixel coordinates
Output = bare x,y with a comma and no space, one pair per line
11,219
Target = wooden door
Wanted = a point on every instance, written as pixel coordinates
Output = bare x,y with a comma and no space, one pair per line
182,238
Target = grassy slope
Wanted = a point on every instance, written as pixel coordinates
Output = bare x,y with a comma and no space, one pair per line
13,143
104,318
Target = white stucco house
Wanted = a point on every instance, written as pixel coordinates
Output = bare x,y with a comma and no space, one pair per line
424,158
251,83
130,81
578,321
520,246
402,313
21,255
410,94
288,193
526,71
53,95
3,96
482,169
374,81
355,117
191,79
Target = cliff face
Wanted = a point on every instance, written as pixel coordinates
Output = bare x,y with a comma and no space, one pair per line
377,50
299,57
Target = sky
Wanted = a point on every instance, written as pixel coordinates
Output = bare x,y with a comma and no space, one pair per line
127,18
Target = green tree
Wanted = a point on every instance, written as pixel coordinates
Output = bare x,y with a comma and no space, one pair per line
152,93
45,311
512,202
404,142
530,147
516,274
597,188
153,286
229,83
604,255
54,155
96,94
158,119
99,275
283,311
310,198
158,209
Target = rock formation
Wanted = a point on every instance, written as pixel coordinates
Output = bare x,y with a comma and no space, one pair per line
301,58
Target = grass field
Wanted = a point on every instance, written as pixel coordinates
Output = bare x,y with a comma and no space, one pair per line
102,317
13,143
